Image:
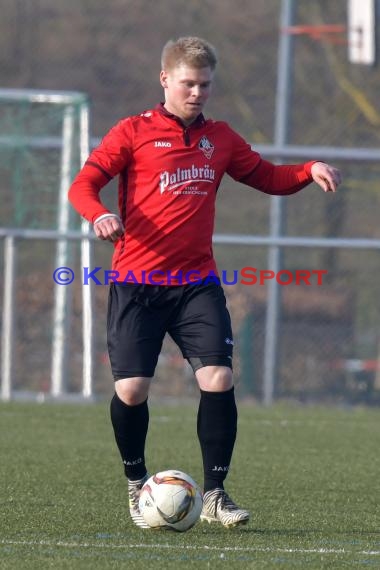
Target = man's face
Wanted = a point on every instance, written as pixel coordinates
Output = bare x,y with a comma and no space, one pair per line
187,90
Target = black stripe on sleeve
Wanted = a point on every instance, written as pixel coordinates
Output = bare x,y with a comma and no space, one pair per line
247,177
95,165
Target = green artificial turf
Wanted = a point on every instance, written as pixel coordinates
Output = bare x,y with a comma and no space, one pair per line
309,475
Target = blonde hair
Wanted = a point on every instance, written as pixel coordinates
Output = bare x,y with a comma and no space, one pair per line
191,51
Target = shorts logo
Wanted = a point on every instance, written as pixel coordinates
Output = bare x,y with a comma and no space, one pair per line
206,147
229,341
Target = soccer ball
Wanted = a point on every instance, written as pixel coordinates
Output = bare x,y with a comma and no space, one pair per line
170,500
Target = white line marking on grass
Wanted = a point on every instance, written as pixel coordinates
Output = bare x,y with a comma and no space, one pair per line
63,544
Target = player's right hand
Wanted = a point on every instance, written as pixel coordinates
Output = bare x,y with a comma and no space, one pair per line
109,228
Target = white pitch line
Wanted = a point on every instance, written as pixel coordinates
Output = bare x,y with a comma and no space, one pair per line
190,547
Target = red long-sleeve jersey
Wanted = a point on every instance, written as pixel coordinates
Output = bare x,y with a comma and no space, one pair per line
168,179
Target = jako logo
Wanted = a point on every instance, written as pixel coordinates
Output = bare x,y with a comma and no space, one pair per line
162,144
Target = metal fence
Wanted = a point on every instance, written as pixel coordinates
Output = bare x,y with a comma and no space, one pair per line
269,357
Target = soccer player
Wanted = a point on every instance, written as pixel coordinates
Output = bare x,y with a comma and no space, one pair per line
170,161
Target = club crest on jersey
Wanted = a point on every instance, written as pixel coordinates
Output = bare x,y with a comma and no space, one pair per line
206,147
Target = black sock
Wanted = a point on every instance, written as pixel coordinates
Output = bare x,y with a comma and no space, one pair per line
217,424
130,425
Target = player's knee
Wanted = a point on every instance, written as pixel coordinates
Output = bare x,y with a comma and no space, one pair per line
132,391
215,378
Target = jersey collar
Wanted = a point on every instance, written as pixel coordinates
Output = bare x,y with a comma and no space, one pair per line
198,122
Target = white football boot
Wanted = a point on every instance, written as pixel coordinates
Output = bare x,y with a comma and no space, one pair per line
219,507
134,488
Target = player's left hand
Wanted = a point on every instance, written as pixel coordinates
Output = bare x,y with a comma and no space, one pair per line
326,176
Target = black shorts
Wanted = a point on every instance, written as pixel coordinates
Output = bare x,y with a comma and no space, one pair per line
139,316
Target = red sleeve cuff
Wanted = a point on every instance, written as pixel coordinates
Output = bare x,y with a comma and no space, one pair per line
98,214
307,170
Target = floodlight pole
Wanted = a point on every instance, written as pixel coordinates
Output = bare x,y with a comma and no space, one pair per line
277,204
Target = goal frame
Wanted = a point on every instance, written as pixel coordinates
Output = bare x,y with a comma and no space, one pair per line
68,100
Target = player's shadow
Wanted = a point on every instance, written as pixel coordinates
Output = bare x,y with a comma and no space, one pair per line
302,532
275,532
